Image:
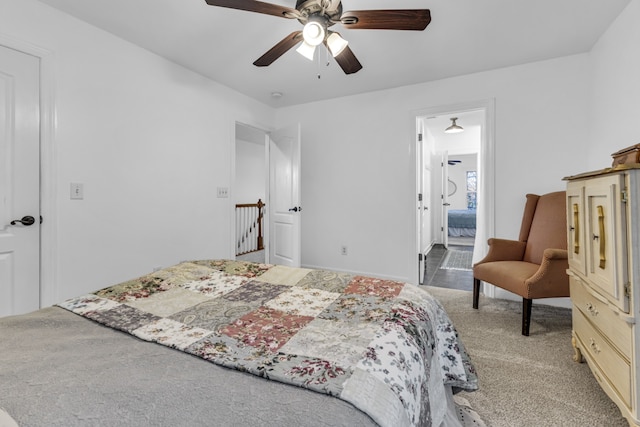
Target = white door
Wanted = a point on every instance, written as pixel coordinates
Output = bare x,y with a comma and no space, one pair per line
427,239
423,203
445,199
284,196
420,205
19,182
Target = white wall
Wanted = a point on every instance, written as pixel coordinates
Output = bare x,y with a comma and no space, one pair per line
250,183
357,170
149,140
614,63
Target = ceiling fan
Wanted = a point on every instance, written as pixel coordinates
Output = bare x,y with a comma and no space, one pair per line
317,16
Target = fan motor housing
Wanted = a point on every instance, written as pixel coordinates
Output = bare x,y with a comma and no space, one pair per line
331,10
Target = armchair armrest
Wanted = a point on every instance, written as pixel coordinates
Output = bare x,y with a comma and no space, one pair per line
551,279
504,250
554,254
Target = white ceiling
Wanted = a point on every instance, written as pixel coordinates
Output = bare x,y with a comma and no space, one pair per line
465,36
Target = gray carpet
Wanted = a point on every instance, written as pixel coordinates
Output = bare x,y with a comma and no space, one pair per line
526,381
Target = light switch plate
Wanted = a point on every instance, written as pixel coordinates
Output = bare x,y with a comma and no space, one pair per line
77,191
223,192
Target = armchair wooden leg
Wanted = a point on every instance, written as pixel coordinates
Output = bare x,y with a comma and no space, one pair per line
476,292
526,316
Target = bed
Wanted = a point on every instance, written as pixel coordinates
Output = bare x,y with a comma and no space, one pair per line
462,222
220,342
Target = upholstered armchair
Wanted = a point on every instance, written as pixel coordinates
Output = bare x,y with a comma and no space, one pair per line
534,266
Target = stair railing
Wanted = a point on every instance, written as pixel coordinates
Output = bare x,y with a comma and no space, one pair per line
249,223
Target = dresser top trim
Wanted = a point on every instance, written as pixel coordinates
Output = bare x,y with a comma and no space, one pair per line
605,171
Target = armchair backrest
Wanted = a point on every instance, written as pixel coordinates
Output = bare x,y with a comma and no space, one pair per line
544,225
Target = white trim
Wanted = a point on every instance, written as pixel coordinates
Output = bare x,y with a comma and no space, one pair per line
232,195
232,181
49,292
487,150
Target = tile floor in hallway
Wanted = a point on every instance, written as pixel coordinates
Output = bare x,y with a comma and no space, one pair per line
452,279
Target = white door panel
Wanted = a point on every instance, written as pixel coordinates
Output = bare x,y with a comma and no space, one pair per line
19,182
284,193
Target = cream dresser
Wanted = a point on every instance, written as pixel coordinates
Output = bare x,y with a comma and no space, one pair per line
603,216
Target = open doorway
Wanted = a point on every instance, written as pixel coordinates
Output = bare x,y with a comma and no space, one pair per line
250,186
454,182
266,194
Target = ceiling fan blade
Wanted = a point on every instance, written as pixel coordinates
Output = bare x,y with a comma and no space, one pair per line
279,49
256,6
407,19
348,61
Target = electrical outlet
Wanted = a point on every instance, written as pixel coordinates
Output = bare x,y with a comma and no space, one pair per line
223,192
343,250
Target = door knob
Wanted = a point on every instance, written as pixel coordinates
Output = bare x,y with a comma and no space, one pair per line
295,209
26,220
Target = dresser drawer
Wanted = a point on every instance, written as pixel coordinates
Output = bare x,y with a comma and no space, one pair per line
604,318
597,350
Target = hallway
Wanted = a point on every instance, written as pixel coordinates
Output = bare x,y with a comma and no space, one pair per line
443,278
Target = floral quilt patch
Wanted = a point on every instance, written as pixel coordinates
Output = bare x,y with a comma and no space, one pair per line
333,333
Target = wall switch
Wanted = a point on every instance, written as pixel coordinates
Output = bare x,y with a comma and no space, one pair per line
223,192
77,191
343,250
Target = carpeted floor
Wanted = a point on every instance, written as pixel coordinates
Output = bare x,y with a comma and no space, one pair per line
526,381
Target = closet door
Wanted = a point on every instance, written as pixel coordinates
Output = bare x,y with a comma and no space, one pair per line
19,182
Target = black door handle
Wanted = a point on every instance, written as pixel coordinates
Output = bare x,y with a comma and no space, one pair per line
295,209
26,220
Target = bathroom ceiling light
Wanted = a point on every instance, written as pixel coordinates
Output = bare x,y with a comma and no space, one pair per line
454,128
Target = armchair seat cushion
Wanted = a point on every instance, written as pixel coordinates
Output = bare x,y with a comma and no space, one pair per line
510,275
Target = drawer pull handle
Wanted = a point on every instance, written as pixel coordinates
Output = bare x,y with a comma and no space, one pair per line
595,347
592,309
576,228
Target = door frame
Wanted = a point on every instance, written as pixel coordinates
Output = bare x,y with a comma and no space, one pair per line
487,160
232,185
49,291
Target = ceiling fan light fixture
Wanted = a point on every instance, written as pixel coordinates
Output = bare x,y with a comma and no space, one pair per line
306,50
336,44
454,128
313,33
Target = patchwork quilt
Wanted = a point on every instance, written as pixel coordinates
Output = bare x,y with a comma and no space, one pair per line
386,347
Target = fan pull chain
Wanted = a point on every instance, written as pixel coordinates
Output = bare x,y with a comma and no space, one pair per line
318,65
319,62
